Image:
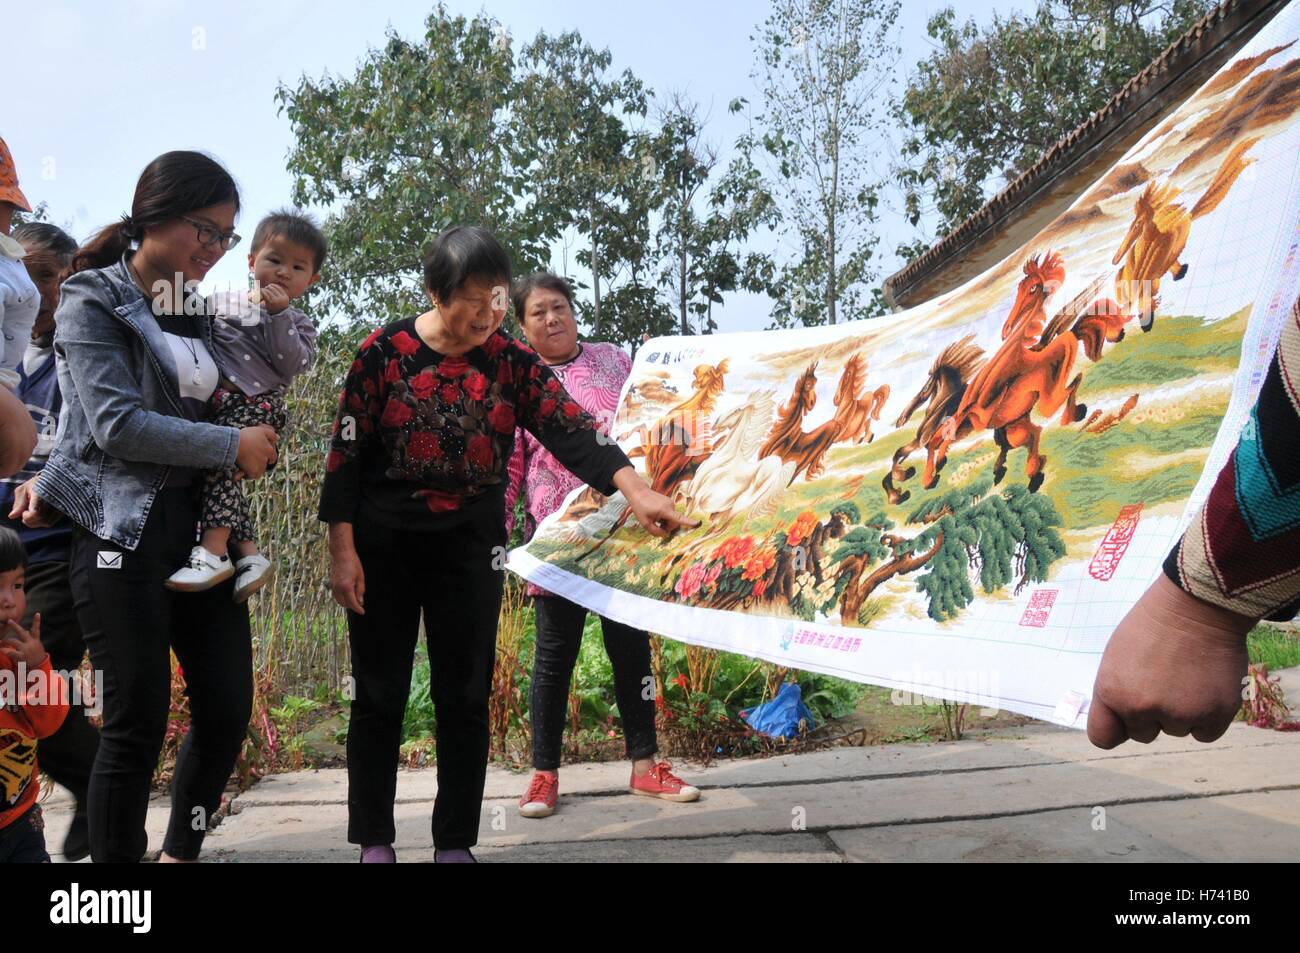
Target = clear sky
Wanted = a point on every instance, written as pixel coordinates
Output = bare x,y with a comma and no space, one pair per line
97,89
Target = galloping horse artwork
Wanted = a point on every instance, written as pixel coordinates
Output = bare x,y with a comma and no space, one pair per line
1028,373
678,442
1154,244
941,395
854,412
1063,448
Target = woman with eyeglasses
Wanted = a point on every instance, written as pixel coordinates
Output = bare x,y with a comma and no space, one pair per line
135,367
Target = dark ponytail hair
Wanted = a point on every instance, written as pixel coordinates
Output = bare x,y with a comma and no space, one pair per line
172,185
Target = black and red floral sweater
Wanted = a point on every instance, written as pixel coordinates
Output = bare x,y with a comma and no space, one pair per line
422,440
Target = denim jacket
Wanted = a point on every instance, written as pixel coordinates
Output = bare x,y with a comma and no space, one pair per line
123,426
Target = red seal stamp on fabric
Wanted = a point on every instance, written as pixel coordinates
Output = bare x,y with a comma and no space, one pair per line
1040,607
1115,543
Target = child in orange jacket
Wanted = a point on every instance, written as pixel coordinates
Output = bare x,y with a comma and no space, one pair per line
33,704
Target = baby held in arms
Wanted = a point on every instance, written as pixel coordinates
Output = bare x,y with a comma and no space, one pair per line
262,342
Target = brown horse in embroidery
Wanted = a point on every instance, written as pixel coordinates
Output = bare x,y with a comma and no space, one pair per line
1155,241
941,393
1029,371
856,411
678,442
807,451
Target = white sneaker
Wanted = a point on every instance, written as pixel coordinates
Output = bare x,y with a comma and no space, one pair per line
251,574
204,571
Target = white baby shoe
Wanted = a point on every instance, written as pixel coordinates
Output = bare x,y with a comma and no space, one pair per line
251,574
204,571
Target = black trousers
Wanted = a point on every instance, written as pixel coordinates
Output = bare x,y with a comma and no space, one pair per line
559,637
22,841
68,754
448,577
129,622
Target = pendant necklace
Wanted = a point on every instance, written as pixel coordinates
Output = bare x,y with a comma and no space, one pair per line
197,377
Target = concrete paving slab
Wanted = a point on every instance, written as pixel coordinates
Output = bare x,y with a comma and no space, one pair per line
1239,827
900,804
1030,745
1026,796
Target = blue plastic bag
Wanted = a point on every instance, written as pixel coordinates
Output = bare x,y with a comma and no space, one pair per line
780,717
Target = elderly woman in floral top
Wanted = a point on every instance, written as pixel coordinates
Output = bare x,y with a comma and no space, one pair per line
413,494
593,374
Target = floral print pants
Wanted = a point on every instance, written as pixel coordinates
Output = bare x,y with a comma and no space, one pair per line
223,501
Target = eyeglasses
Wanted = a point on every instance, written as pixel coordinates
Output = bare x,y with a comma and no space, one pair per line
209,235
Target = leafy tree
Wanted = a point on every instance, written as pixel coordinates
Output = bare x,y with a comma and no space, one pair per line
636,311
998,538
41,213
702,227
825,66
739,204
585,170
422,137
991,100
683,161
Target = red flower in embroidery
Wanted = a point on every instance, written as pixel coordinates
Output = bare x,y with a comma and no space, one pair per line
801,528
355,402
450,392
756,566
405,344
365,345
734,551
396,413
547,408
370,387
572,410
392,373
502,418
476,385
439,502
494,345
453,366
505,374
333,461
423,384
479,451
552,386
357,367
423,447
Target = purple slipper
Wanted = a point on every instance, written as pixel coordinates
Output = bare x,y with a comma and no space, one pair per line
458,856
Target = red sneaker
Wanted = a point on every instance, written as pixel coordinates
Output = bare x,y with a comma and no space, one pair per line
660,782
543,793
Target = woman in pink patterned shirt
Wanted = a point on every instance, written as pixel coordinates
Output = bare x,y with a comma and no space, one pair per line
593,375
